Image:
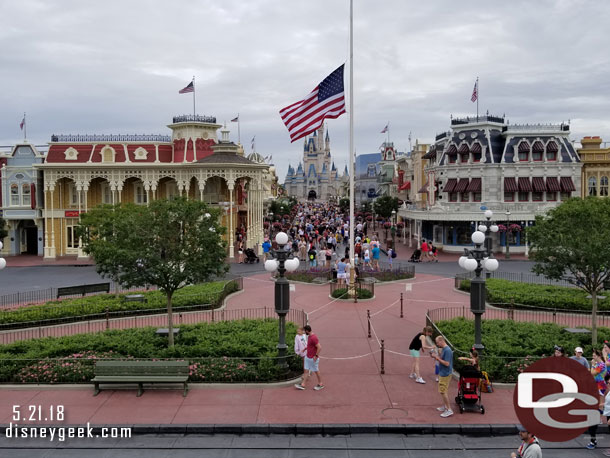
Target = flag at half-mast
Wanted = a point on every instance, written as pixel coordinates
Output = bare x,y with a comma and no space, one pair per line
475,92
327,100
189,88
385,129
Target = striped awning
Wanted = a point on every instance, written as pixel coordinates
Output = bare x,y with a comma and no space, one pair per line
552,184
423,189
463,149
450,185
525,184
567,185
524,147
461,185
452,149
510,184
538,184
475,148
552,146
538,147
474,186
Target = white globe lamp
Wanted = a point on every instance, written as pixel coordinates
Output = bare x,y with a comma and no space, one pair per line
1,245
478,237
470,264
281,238
271,265
462,260
488,214
491,264
482,228
292,264
494,228
2,263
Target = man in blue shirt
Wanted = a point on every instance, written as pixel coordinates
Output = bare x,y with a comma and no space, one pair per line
375,252
445,372
266,248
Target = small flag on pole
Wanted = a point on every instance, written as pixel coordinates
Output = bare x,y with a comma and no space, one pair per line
22,123
385,129
253,142
475,92
236,119
187,89
327,100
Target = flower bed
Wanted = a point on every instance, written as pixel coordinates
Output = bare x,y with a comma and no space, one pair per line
235,351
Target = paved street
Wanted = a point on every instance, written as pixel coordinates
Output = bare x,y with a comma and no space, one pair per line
288,446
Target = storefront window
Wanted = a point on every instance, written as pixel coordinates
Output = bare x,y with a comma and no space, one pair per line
509,196
476,197
465,196
536,196
524,196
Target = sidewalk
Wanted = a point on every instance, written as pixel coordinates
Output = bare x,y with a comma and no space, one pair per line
355,391
30,260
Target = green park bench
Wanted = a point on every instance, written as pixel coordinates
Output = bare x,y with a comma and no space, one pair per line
83,289
141,372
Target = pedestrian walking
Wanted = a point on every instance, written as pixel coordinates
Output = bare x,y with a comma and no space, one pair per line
445,373
312,360
529,448
417,345
300,343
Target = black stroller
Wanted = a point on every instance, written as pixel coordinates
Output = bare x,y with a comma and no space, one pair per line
416,256
251,257
469,390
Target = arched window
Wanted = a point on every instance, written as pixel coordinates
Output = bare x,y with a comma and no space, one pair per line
15,194
107,155
26,194
551,151
524,151
603,186
592,186
537,151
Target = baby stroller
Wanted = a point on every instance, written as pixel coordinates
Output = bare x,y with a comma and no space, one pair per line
469,390
250,256
416,256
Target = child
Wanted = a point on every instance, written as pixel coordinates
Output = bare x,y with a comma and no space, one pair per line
390,253
300,343
473,359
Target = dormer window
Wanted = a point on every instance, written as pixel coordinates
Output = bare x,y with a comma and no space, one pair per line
551,151
524,152
476,152
464,152
537,151
140,154
108,154
71,154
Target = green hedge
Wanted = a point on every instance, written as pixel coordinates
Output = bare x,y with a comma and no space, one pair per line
206,293
342,293
511,345
243,350
547,296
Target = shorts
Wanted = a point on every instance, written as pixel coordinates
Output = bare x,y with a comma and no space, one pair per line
240,252
443,384
311,365
414,353
343,275
328,258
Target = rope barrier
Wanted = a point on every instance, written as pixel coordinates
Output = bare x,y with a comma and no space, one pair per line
351,357
385,308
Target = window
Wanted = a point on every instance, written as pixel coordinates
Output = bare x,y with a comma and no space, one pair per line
592,186
107,155
171,190
524,196
140,196
523,155
603,186
524,151
26,194
476,196
551,196
453,197
73,194
537,196
551,151
452,158
465,196
565,195
14,194
464,157
106,193
536,155
509,196
476,157
71,239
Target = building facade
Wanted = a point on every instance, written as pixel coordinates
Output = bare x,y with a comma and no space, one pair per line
316,176
22,200
81,171
517,171
595,157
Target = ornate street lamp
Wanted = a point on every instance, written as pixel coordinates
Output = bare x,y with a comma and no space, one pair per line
476,260
393,230
508,232
487,227
282,263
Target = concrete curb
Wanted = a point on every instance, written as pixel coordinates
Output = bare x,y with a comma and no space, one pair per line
344,429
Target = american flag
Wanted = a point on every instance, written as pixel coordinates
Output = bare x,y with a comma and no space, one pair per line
235,119
22,123
475,92
187,89
385,129
253,138
327,100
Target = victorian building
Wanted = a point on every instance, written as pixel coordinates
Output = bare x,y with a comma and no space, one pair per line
595,157
316,176
81,171
517,171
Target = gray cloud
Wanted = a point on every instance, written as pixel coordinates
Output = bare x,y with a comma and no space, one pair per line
116,66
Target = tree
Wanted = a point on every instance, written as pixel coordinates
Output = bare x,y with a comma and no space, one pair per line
572,242
344,205
282,206
168,244
3,231
366,206
384,206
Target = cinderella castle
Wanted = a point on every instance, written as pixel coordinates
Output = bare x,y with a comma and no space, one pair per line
316,177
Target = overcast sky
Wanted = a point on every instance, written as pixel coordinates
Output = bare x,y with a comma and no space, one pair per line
116,66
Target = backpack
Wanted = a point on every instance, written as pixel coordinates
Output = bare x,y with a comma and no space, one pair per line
393,254
486,385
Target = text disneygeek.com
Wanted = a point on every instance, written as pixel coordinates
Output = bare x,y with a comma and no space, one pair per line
61,433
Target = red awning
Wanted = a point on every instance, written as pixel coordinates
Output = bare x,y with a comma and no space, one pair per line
567,185
552,146
450,185
452,149
552,184
524,147
406,185
463,149
424,189
462,185
474,186
475,148
538,184
510,184
525,184
538,147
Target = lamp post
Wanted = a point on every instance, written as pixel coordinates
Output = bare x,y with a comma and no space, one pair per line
507,234
476,260
282,263
393,230
487,227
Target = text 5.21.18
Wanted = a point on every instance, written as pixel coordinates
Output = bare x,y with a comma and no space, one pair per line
38,413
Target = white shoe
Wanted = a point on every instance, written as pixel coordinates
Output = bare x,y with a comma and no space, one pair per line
413,375
441,408
437,379
447,413
420,380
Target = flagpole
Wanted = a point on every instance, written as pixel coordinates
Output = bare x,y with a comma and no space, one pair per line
238,131
477,99
25,128
388,133
194,112
351,145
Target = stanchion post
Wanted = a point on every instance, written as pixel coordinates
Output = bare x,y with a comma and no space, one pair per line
401,314
107,318
368,319
382,357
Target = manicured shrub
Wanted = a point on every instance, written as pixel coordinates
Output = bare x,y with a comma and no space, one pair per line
342,293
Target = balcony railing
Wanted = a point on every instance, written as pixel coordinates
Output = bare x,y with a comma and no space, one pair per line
474,119
563,127
441,136
194,118
110,138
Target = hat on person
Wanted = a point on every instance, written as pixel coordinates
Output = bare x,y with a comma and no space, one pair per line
578,350
522,429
